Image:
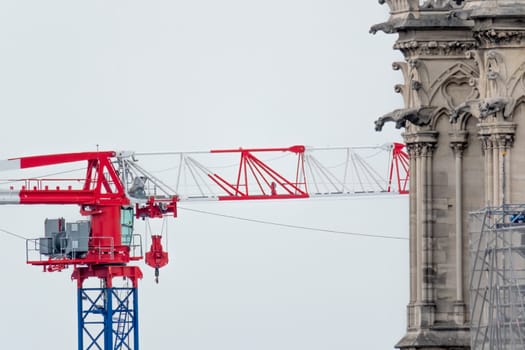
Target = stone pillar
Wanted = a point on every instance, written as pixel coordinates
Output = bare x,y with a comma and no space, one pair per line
458,145
497,140
414,269
422,306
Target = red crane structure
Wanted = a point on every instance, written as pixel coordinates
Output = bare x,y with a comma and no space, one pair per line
115,189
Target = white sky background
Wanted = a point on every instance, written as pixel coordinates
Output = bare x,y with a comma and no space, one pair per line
196,75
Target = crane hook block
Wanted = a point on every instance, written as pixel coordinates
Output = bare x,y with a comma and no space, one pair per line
156,257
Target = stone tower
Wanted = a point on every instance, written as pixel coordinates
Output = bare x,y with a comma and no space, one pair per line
464,126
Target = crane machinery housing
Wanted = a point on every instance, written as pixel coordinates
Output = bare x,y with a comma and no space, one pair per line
115,189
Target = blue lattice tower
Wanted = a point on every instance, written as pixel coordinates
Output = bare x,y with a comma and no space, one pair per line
108,314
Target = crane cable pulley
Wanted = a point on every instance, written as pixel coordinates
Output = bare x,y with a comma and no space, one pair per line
157,257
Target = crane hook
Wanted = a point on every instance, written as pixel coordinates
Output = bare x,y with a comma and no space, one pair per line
156,257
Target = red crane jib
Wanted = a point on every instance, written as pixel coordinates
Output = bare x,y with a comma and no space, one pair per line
101,195
267,182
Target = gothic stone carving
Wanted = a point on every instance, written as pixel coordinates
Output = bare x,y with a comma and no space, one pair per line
416,80
418,116
434,48
482,109
455,85
493,36
400,5
442,4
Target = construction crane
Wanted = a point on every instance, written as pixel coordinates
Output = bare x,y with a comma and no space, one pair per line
117,188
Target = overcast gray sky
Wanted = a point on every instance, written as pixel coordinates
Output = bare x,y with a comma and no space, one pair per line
196,75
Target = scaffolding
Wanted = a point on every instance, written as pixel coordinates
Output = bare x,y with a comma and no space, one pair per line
497,279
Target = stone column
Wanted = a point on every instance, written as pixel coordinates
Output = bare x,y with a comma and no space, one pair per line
414,292
422,305
488,160
427,306
458,145
497,140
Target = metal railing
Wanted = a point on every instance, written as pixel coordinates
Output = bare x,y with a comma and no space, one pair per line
103,248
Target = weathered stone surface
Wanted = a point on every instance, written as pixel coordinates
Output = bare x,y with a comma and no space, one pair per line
436,339
464,125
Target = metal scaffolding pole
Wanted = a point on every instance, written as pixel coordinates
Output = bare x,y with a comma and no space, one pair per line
497,280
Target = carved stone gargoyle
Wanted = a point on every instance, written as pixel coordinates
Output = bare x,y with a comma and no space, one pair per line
493,105
481,109
418,116
386,27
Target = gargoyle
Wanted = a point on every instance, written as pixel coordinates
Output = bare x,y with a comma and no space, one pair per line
471,107
481,109
493,105
386,27
417,116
